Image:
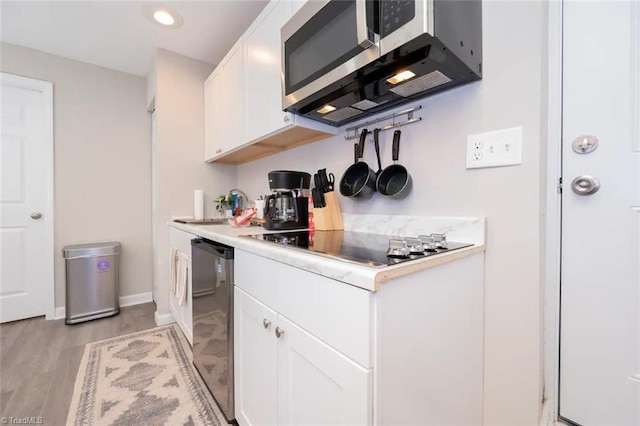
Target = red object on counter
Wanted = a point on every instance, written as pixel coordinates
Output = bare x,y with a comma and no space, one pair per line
245,217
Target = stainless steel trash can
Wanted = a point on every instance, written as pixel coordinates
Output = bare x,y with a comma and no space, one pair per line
92,281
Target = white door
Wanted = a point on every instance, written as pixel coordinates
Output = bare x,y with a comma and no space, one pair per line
599,358
26,199
317,385
255,361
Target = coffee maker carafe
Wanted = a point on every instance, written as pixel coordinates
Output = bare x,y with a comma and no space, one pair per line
287,207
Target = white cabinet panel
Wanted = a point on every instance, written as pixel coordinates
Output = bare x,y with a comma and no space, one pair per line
296,5
183,314
263,75
224,105
335,312
233,95
213,116
317,385
255,361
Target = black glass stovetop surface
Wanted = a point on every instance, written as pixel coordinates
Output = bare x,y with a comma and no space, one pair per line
358,247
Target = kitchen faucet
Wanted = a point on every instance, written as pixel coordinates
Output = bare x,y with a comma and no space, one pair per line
241,194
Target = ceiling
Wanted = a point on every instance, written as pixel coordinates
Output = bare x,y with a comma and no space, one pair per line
118,34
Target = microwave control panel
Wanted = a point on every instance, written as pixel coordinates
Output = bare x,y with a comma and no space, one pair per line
394,14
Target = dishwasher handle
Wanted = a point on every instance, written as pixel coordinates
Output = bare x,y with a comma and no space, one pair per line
213,247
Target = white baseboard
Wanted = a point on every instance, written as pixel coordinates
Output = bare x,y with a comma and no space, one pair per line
130,300
136,299
164,319
60,313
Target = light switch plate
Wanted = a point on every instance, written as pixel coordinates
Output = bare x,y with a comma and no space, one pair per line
495,149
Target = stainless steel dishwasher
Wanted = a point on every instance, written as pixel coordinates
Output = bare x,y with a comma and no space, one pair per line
212,292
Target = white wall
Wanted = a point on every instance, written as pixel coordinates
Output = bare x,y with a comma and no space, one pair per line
179,161
510,94
102,160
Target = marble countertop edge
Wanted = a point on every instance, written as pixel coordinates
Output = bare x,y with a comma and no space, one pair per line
362,276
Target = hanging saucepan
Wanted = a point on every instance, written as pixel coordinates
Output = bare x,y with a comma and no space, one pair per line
394,181
358,180
376,144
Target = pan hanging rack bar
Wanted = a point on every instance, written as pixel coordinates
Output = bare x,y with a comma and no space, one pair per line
354,132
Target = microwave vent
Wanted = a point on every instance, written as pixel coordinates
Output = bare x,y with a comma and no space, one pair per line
420,84
365,104
342,114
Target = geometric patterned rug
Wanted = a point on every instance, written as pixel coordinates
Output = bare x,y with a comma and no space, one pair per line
143,378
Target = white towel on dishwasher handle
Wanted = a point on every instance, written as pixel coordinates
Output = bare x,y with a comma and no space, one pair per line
179,275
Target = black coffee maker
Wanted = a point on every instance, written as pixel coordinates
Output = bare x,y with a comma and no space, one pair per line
288,206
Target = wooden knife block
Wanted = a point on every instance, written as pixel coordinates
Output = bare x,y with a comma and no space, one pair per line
330,217
328,242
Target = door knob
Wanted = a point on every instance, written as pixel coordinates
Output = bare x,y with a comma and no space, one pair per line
266,323
36,215
585,185
279,332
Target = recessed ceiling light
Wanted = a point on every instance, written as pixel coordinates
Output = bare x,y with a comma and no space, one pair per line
162,15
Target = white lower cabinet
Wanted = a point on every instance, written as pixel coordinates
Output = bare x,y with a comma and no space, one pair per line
255,361
183,314
317,384
417,340
286,376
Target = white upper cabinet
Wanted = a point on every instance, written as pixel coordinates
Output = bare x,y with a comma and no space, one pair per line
263,91
213,120
296,5
253,124
223,105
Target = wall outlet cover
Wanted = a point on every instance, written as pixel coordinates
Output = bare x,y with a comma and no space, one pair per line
495,149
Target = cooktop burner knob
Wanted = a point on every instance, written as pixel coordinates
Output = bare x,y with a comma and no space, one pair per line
440,240
428,243
398,249
414,246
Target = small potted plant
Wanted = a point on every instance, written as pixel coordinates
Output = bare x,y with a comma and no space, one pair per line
224,203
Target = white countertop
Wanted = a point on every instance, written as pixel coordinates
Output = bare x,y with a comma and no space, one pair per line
461,229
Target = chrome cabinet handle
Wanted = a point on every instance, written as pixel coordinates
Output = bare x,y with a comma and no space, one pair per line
218,151
266,323
36,215
286,118
585,185
279,332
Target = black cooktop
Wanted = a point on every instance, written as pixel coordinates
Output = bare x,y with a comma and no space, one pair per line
363,248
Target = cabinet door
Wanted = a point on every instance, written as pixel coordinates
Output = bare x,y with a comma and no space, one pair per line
317,385
255,361
263,72
181,240
213,116
233,98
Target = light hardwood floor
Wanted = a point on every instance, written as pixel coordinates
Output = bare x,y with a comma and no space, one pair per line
39,360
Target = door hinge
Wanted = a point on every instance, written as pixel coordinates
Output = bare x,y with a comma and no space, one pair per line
559,185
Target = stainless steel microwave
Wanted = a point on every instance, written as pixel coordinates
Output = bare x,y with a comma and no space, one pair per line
345,59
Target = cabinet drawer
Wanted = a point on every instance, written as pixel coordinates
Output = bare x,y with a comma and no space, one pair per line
334,312
180,240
